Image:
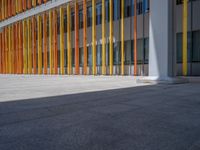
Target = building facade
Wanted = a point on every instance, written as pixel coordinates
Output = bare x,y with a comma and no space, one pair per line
158,38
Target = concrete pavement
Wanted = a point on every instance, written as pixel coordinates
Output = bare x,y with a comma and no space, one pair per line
151,117
18,87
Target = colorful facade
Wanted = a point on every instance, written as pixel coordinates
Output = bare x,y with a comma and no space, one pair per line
83,37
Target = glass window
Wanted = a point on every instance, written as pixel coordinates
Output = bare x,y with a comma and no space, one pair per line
98,13
128,52
146,50
140,51
73,57
65,23
59,58
196,46
65,53
178,2
116,53
89,53
80,19
116,9
99,55
127,8
179,47
58,24
139,7
107,10
81,56
145,6
107,54
89,16
72,21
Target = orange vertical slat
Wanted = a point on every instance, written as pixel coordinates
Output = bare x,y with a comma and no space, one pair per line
13,8
30,60
12,50
0,53
55,38
6,50
5,8
16,49
45,42
20,5
2,9
5,46
39,2
29,4
4,58
3,51
8,8
1,13
20,48
24,5
17,46
85,35
76,39
135,37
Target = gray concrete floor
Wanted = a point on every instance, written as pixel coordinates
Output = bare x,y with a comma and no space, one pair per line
149,117
14,87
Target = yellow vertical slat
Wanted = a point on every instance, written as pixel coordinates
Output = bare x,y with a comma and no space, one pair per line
39,26
9,50
185,26
50,42
6,49
94,37
69,50
111,37
34,3
29,47
19,6
16,6
122,37
103,39
45,47
6,8
12,49
55,40
62,69
25,46
3,51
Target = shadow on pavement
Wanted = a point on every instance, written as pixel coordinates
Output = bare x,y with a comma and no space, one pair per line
154,117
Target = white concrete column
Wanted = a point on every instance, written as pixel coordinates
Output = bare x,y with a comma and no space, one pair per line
160,40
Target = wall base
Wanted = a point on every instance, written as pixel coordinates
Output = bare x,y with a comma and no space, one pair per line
166,80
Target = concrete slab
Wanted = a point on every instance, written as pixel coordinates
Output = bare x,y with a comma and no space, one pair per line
17,87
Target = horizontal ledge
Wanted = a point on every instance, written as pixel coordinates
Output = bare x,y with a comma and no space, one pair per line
34,11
